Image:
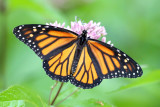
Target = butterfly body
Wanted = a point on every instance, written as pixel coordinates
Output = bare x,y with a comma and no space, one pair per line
83,61
80,44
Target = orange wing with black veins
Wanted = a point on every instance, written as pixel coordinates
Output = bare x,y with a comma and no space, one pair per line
58,67
46,41
111,62
85,75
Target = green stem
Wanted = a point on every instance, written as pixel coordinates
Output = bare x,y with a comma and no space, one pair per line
67,97
57,93
52,91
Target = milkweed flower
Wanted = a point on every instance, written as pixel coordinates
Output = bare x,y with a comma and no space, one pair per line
94,30
57,24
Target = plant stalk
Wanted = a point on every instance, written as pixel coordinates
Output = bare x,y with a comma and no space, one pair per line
57,94
52,91
67,97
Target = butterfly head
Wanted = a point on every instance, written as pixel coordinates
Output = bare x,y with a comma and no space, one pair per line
84,33
83,37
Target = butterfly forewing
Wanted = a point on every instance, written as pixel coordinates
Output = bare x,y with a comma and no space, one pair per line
112,62
45,40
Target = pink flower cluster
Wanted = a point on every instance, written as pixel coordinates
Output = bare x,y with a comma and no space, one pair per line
94,30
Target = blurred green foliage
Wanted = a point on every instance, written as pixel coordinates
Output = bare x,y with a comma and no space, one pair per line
133,26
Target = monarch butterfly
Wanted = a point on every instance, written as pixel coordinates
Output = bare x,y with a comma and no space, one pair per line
68,56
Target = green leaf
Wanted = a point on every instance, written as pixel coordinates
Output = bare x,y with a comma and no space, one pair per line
17,95
153,76
88,103
14,103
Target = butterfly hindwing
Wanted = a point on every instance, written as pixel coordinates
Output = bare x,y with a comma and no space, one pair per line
45,40
112,62
85,75
58,67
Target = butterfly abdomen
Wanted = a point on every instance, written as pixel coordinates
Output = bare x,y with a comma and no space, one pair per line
76,60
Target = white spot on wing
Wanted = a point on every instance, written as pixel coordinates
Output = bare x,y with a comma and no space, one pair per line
118,50
46,26
20,27
29,41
